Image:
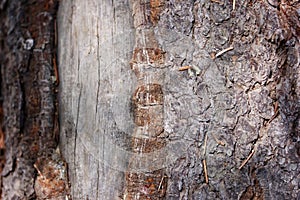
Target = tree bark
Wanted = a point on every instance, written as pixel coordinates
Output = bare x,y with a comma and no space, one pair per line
33,167
157,99
225,127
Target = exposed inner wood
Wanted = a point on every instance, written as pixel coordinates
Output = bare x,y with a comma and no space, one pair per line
148,101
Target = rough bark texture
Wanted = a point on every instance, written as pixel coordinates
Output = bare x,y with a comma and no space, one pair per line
2,143
33,169
135,127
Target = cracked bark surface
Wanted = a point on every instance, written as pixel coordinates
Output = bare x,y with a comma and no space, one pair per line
245,101
32,168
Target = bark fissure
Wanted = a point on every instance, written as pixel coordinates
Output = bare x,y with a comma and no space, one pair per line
76,125
98,67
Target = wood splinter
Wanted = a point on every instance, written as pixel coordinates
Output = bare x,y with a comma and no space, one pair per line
160,184
273,117
233,5
205,171
276,112
247,159
204,160
39,172
217,140
217,1
223,51
55,68
184,68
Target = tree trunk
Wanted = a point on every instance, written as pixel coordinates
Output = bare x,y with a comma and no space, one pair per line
135,127
157,99
33,167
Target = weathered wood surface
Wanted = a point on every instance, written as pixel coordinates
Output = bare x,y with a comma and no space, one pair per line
244,101
95,44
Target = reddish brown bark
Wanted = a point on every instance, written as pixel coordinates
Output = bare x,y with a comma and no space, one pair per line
28,90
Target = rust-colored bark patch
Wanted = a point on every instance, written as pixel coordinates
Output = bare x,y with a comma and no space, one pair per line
149,120
146,14
148,56
254,192
156,6
148,110
144,145
146,185
51,182
148,95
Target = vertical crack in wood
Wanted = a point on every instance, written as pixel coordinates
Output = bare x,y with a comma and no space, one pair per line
97,187
98,68
76,125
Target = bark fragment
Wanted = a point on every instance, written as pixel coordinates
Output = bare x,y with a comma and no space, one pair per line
28,91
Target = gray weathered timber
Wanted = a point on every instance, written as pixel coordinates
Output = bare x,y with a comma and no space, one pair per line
238,111
95,44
